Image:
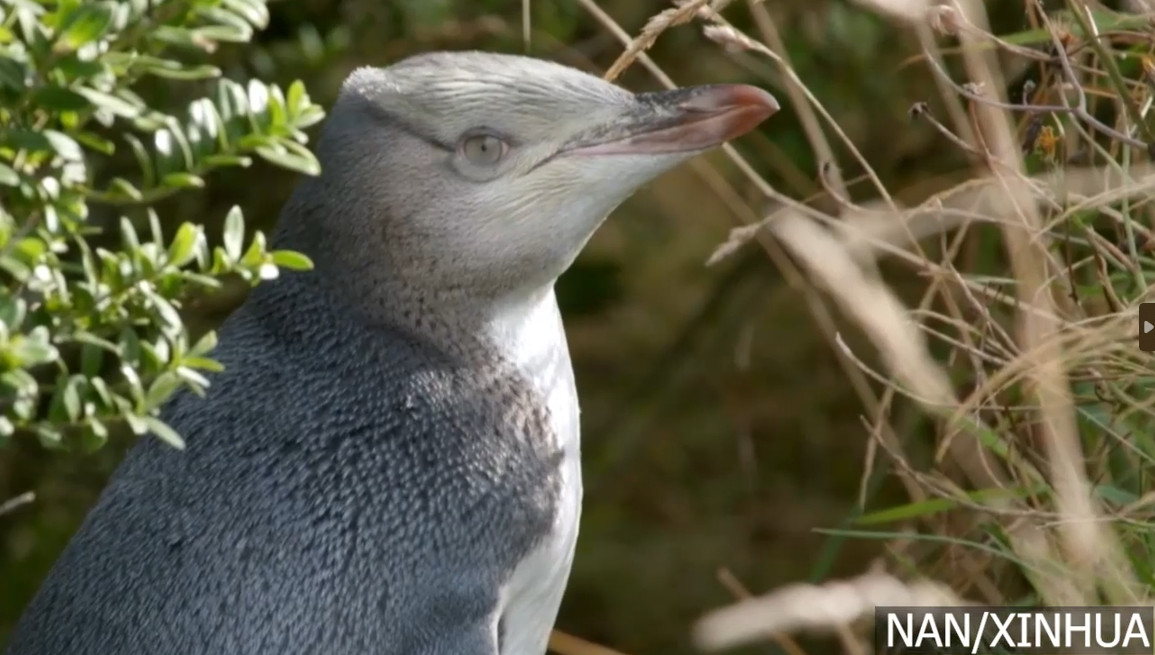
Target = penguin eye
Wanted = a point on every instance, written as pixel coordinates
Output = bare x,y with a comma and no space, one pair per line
483,149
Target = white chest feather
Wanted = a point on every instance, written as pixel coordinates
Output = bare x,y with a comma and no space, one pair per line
533,594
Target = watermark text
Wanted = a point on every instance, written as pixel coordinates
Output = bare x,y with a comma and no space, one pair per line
1014,630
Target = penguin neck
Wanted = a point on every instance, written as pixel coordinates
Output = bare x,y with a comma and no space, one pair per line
518,326
522,331
521,337
527,332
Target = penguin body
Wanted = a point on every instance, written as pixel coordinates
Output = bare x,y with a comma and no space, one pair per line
389,462
346,490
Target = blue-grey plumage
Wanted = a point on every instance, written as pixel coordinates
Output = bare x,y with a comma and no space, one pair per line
389,462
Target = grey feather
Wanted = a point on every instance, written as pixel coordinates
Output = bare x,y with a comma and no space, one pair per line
369,497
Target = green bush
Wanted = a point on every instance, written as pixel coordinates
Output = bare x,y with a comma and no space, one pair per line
91,334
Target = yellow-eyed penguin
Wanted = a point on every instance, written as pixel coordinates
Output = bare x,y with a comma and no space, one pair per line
389,463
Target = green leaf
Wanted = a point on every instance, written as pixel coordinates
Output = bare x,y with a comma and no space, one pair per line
154,225
206,281
142,159
12,310
12,74
100,387
309,117
74,68
163,432
277,113
161,390
91,339
296,99
95,142
183,181
183,247
136,424
111,103
228,160
22,139
171,321
255,255
30,249
301,162
129,346
1115,495
932,506
192,377
226,33
203,363
70,397
254,11
87,23
50,438
173,70
179,36
14,268
128,235
58,98
169,158
294,261
64,145
122,187
30,351
20,382
205,344
95,437
91,359
8,177
226,18
182,144
234,233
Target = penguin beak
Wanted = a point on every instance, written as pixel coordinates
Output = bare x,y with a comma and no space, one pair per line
680,121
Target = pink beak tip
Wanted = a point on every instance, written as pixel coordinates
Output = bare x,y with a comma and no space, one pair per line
739,97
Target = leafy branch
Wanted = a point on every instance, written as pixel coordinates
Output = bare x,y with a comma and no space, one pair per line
91,334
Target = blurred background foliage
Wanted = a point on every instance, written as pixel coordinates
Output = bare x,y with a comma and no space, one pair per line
720,430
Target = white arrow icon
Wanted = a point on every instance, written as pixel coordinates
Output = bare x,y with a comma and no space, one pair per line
1147,327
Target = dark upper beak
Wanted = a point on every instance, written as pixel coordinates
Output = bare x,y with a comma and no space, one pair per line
682,120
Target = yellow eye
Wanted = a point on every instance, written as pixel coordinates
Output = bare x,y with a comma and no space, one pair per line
483,149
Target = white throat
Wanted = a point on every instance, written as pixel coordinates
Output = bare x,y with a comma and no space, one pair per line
530,335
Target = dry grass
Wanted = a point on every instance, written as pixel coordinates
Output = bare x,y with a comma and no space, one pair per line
1024,355
802,607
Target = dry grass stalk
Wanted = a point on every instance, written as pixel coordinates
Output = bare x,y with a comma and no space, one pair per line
16,502
657,24
820,608
822,317
797,93
1089,546
563,643
907,10
1064,543
804,100
873,305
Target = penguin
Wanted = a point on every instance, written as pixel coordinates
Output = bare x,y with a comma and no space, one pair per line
389,462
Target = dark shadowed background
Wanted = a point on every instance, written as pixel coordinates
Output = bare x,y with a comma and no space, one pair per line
719,427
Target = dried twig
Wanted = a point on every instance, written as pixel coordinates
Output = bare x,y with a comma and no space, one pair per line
825,608
12,504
